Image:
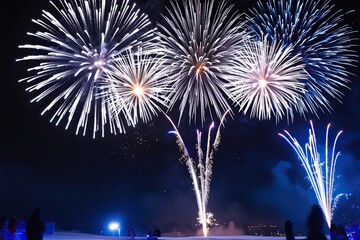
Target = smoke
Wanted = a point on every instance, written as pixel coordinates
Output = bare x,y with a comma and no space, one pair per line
283,198
225,230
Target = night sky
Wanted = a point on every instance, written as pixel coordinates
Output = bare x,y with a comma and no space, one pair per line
136,178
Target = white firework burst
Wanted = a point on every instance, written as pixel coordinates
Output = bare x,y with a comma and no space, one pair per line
137,85
71,52
268,82
199,41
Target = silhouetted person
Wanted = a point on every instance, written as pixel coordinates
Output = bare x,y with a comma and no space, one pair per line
289,230
3,231
151,236
340,233
157,232
2,222
12,227
132,232
35,226
315,222
332,231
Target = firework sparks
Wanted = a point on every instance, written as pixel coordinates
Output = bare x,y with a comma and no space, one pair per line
199,43
319,35
201,182
269,82
73,50
136,85
320,172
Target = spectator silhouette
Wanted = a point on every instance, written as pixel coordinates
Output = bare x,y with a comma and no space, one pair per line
2,222
332,231
315,222
157,232
3,231
12,228
132,232
35,226
289,230
151,236
340,233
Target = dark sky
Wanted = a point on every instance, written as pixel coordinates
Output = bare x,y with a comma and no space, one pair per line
80,182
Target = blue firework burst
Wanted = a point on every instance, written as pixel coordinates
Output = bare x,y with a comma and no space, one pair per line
319,34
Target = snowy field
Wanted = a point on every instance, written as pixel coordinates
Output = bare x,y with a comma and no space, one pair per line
84,236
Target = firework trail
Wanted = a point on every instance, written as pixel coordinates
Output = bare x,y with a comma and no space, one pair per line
320,172
72,50
136,85
199,41
270,80
201,182
317,32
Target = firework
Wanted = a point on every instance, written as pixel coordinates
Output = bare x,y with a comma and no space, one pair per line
72,50
199,41
317,32
320,169
269,81
202,177
136,85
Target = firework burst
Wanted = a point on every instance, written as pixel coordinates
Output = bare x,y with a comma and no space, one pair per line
202,177
199,43
317,32
320,169
72,51
137,85
269,80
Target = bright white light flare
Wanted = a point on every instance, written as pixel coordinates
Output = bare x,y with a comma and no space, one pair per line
114,226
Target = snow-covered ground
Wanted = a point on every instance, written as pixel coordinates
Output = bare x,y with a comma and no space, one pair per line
84,236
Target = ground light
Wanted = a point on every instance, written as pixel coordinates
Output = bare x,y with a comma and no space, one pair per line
114,227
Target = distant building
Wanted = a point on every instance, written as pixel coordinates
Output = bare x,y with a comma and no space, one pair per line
263,230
